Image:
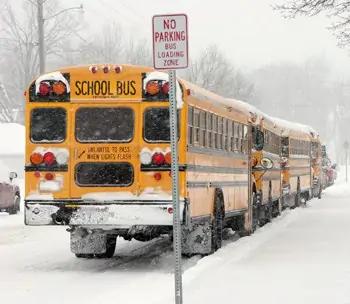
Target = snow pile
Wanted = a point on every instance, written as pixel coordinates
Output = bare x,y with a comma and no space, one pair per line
341,189
12,138
4,171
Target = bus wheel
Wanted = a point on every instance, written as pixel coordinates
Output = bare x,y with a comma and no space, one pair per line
217,225
255,212
84,255
110,248
298,195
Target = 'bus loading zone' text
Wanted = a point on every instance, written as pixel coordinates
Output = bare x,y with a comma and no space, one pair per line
104,88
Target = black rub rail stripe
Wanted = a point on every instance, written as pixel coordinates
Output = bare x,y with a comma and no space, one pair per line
162,168
92,202
300,174
198,168
30,168
204,184
267,178
212,152
214,169
266,170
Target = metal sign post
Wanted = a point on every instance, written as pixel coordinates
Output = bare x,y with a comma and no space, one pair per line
170,52
175,187
346,147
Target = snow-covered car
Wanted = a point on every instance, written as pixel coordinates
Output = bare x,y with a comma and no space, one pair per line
9,195
331,175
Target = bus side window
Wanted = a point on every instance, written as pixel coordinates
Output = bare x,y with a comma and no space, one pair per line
202,129
245,139
215,130
236,134
240,130
196,126
232,137
190,125
209,128
220,129
228,136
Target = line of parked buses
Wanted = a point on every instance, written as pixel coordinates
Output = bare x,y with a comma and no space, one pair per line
98,160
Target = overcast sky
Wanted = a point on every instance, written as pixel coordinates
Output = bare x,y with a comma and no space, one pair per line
248,31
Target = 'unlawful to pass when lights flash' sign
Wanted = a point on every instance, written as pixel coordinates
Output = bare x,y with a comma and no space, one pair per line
170,41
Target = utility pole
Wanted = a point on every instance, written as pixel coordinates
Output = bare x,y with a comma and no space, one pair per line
346,147
41,36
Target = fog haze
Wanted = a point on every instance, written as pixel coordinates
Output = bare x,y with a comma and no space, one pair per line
275,55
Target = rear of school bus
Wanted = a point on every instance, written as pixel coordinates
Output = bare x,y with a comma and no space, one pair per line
98,155
298,171
316,165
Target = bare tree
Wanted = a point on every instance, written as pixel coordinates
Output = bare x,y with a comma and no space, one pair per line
337,10
138,53
112,45
19,43
213,71
106,46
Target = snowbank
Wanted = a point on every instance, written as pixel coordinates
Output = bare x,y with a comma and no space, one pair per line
12,137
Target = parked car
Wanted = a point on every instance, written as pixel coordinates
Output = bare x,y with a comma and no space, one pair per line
9,195
331,174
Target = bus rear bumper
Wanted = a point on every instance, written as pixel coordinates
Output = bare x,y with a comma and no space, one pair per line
116,214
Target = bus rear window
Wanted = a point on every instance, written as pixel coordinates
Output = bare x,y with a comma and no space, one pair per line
48,125
104,124
104,174
156,125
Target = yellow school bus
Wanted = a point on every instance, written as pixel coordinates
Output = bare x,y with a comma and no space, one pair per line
98,158
297,180
316,164
266,172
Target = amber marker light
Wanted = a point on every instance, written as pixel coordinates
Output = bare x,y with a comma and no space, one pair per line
152,87
59,88
36,158
167,158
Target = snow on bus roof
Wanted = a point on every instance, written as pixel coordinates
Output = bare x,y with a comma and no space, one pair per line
238,105
156,75
56,76
295,126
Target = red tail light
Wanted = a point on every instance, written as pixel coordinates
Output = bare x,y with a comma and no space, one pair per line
170,210
93,69
36,158
49,176
118,69
106,69
49,158
44,89
158,159
59,88
152,87
157,176
165,88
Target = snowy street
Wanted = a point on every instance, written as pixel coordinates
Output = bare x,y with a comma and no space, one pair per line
301,257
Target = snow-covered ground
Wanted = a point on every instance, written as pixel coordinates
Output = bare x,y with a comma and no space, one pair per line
301,257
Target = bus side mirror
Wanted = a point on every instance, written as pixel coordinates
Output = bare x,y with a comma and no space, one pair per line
266,163
12,175
258,140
